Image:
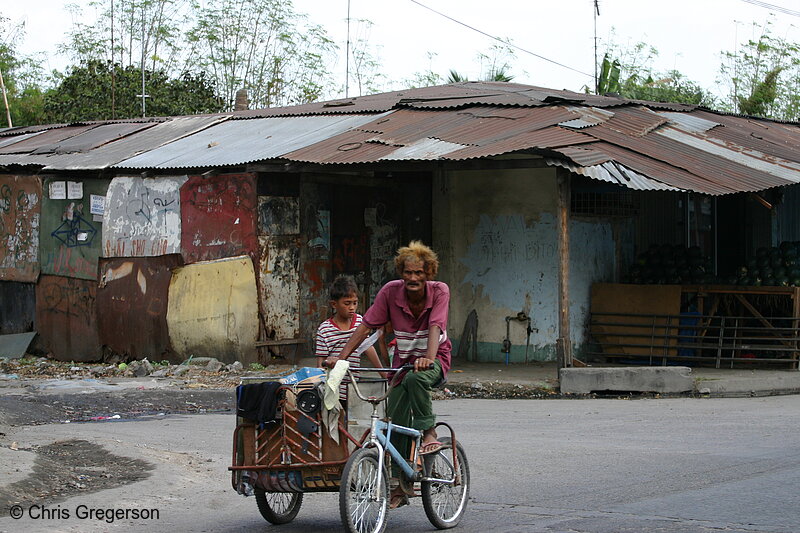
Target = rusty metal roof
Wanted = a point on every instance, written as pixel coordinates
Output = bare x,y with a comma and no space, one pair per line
642,145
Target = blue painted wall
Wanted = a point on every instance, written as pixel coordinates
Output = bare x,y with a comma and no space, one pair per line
499,252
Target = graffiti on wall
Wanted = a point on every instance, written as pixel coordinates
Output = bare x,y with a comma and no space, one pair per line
219,217
515,265
70,241
142,216
20,207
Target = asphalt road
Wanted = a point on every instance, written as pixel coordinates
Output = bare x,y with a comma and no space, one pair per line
655,465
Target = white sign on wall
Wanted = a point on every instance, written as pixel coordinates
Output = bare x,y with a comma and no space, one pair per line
74,190
58,190
97,204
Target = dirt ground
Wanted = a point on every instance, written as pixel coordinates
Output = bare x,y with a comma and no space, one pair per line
66,468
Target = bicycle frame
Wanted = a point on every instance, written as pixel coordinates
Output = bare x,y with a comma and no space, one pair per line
380,438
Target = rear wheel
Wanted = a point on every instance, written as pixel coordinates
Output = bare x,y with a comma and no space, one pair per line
364,493
445,503
278,507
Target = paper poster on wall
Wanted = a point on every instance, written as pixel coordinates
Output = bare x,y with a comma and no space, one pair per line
97,204
58,190
74,190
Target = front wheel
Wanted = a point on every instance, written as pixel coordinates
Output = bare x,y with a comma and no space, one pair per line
445,503
278,507
364,493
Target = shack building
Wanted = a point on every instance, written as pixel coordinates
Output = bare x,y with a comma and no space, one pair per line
217,235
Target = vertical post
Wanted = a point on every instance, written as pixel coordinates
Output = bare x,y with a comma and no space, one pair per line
5,100
564,344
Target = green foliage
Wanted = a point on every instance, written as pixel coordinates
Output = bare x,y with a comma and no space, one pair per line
455,77
629,73
364,65
762,77
609,76
21,76
763,95
98,90
260,45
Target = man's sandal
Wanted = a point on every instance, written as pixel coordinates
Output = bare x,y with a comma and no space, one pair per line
430,447
398,499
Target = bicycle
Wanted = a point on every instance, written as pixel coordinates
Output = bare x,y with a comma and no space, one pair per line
281,461
443,475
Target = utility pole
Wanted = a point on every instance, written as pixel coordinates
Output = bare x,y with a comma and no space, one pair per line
596,14
347,54
144,94
5,99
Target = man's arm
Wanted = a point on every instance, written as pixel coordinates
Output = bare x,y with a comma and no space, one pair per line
424,363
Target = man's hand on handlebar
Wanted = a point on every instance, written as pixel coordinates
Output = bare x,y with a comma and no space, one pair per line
422,363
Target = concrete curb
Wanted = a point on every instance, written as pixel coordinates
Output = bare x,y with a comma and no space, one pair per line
662,380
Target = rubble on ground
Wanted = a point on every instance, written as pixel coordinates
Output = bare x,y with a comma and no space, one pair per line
210,373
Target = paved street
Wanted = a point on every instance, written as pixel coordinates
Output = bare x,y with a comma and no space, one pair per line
663,465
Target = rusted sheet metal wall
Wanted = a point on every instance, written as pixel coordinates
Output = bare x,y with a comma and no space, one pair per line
213,310
278,215
17,307
66,318
71,236
279,246
315,257
280,285
132,305
20,209
219,217
142,216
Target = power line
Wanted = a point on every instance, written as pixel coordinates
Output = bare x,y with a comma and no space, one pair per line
773,7
501,40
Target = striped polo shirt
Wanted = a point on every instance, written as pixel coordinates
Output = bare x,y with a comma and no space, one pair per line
331,340
391,304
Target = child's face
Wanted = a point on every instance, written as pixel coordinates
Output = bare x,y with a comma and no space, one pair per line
345,307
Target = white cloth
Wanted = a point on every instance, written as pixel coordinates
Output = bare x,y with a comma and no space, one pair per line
330,401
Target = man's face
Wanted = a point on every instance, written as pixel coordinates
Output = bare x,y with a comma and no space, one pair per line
414,276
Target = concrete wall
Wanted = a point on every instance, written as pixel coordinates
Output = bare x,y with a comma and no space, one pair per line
496,232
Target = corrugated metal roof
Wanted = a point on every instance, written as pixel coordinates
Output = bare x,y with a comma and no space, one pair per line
689,122
236,142
642,145
44,139
615,173
113,152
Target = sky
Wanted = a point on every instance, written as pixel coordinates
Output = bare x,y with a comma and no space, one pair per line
407,38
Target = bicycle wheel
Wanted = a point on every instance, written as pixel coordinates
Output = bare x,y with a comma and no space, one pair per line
445,503
364,493
278,507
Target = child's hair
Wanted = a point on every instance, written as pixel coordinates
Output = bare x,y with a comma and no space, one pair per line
343,286
416,251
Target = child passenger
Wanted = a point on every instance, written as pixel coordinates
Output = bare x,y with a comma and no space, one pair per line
334,332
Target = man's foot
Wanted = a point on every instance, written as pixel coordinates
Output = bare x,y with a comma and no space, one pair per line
429,442
398,498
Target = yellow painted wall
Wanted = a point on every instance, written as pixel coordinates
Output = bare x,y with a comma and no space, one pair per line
213,310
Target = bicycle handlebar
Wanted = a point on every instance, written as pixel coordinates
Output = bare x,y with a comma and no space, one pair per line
376,399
